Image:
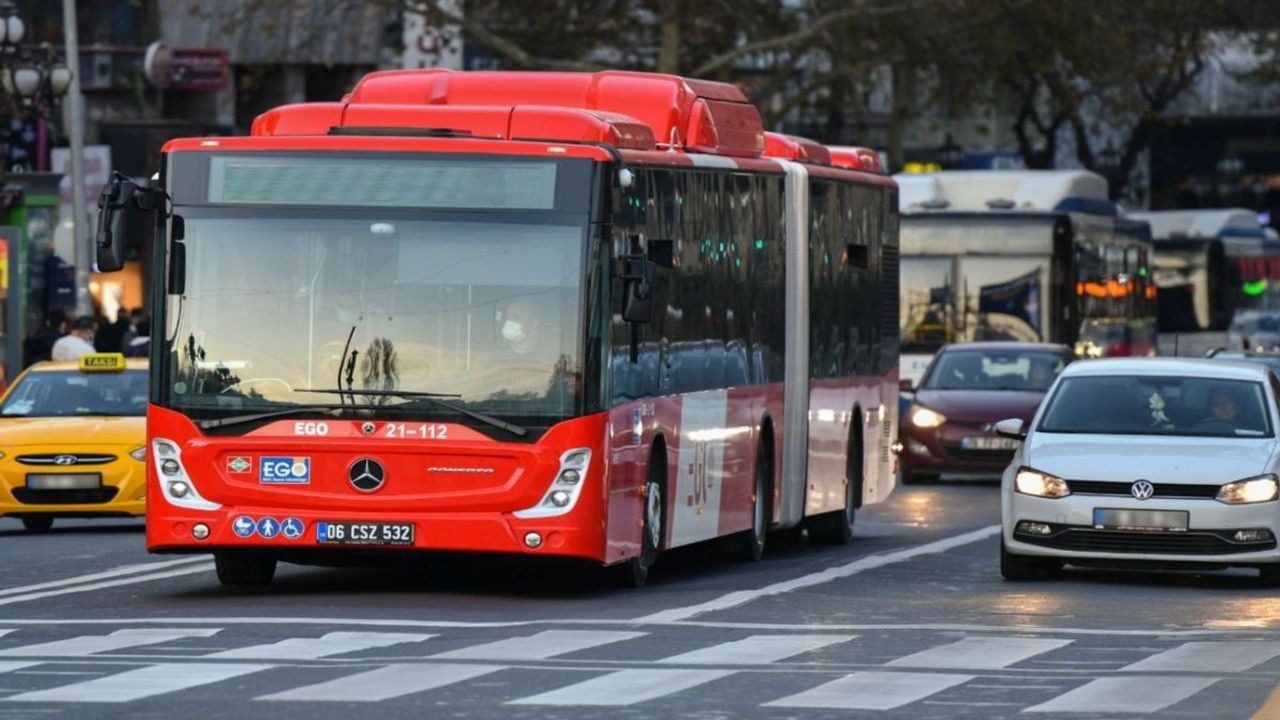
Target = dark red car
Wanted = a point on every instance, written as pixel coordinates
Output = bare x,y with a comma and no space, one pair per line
949,425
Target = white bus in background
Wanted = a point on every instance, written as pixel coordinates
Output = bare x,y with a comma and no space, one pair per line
1209,264
1027,255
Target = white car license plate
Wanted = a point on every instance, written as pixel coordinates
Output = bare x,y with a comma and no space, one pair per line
364,533
1140,520
983,442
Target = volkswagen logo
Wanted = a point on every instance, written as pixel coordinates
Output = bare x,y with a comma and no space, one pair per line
1142,489
366,475
65,460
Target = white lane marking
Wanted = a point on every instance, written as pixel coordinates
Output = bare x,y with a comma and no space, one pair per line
872,690
871,562
118,640
334,643
979,653
385,683
1212,656
12,665
625,687
138,569
1132,694
756,650
541,646
791,627
28,597
141,683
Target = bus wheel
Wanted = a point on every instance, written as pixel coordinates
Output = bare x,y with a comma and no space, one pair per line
244,570
634,572
752,547
836,528
37,524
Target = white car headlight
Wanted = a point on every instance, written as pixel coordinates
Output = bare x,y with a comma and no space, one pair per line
1034,482
923,417
139,454
1250,490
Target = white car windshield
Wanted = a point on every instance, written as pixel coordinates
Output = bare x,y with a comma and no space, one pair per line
1158,405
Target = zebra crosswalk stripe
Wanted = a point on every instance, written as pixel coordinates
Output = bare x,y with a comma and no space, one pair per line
1213,656
1129,694
118,640
872,690
334,643
385,683
543,645
625,687
756,650
980,653
141,683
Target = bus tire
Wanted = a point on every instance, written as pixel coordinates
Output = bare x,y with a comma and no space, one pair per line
38,523
836,528
244,570
752,542
634,572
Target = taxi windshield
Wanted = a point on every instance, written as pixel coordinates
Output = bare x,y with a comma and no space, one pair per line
68,393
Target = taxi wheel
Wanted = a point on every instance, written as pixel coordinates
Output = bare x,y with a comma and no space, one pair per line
1021,567
241,570
37,524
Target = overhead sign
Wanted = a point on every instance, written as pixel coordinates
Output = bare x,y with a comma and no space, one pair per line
197,69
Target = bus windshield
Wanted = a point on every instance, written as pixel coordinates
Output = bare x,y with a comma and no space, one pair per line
484,307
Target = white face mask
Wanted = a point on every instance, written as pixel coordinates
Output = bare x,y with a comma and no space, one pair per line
512,331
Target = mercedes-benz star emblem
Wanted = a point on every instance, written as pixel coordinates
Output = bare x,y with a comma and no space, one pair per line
65,460
368,428
1142,489
366,475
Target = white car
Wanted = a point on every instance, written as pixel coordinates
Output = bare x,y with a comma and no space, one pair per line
1164,461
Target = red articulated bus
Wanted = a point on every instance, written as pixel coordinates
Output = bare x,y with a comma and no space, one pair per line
593,316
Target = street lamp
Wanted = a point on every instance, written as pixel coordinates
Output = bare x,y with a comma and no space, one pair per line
36,76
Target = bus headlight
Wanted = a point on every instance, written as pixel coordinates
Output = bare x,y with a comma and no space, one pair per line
176,486
1038,484
565,489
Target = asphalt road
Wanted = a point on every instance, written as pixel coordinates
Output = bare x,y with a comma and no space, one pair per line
911,620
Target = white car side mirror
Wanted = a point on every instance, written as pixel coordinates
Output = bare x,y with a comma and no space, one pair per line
1012,428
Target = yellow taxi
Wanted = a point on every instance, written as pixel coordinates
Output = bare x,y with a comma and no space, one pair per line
73,440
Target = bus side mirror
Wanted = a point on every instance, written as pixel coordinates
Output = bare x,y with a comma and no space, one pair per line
637,288
115,204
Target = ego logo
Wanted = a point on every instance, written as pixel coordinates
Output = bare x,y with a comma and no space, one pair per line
284,471
316,429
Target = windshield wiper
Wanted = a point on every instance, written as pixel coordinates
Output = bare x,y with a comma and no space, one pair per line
414,398
331,409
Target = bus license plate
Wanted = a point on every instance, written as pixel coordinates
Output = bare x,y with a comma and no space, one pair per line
358,533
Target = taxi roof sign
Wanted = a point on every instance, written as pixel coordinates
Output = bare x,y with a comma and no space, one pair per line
102,362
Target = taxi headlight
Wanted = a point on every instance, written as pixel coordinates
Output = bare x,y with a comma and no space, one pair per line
139,454
923,417
1250,490
1034,482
